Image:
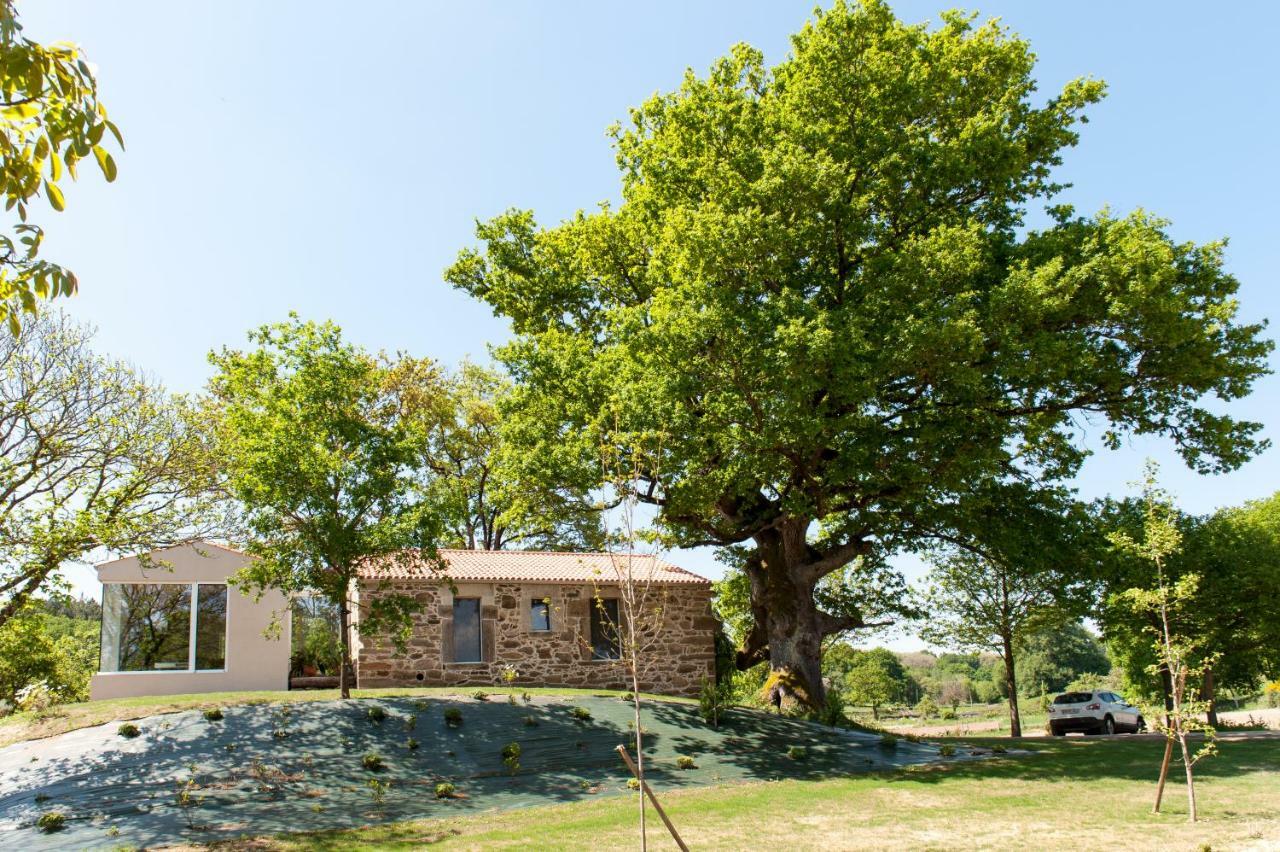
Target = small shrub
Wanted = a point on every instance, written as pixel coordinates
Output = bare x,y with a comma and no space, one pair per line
421,705
128,730
511,757
685,762
582,714
530,722
41,798
453,717
411,744
633,783
445,790
927,708
998,749
230,746
833,710
376,714
480,695
796,752
627,696
378,790
511,699
280,733
946,750
410,722
51,821
584,784
213,714
526,698
949,713
710,702
372,761
888,741
510,674
187,800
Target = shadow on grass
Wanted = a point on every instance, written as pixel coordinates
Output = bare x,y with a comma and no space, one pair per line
1096,759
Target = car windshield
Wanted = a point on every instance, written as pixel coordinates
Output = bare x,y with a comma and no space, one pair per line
1073,698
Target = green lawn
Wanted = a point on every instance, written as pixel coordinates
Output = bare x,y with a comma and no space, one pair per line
1068,794
69,717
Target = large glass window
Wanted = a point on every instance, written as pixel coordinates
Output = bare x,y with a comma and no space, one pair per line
466,630
147,627
604,630
211,626
316,641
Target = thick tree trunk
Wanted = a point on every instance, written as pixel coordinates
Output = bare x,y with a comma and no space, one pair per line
344,630
1166,687
782,598
1207,693
1011,688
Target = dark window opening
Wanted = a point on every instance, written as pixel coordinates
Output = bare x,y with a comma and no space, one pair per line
466,630
605,629
539,615
211,626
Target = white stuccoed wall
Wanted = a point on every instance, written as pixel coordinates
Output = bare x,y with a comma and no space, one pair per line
254,662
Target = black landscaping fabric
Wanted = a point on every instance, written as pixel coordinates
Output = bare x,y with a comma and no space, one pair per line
272,768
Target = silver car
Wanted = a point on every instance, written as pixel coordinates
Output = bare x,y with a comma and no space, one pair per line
1097,712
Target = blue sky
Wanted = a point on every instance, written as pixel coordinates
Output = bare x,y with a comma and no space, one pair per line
331,158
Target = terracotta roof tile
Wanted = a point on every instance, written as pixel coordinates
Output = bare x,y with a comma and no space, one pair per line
538,566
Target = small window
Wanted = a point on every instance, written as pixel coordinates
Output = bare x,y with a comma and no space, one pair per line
1073,698
604,630
540,615
466,630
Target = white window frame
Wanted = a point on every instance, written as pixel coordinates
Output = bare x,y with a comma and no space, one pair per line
191,633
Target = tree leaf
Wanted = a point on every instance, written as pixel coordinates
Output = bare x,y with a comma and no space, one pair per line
105,162
55,196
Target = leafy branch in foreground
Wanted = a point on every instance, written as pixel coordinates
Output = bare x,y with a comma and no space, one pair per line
50,120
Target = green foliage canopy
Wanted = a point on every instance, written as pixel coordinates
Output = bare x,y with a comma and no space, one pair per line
466,468
818,298
313,445
93,455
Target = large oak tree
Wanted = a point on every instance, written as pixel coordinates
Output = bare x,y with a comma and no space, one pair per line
820,298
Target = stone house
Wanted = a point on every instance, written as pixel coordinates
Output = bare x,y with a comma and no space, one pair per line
173,623
545,618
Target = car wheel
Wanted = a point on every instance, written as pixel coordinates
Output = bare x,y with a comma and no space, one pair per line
1108,726
1056,731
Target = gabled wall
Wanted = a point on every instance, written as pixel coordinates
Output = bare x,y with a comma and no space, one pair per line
253,662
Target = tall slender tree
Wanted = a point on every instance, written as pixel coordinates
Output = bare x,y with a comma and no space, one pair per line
1011,562
312,442
819,284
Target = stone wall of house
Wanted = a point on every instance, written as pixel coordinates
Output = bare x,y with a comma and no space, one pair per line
677,653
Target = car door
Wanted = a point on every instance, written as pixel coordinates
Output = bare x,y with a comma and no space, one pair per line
1124,715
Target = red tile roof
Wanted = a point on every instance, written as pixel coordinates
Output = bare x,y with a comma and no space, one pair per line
536,566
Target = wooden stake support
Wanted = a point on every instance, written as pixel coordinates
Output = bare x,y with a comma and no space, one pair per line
622,750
